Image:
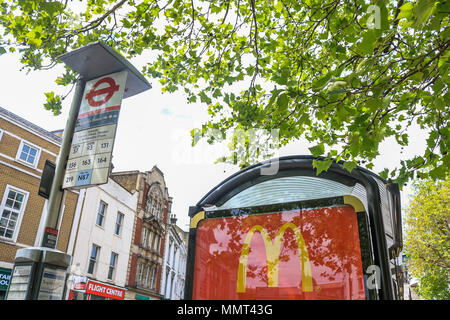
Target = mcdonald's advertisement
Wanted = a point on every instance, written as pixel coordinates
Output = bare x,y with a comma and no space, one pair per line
294,255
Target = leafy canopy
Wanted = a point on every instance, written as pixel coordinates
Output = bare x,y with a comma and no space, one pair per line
427,238
344,75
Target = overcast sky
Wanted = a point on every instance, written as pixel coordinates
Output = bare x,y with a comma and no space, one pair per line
154,129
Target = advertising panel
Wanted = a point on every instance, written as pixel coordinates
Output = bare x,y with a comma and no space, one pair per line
301,254
52,284
79,283
5,277
93,140
19,283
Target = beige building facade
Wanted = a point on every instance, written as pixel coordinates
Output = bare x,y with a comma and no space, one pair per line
24,148
101,249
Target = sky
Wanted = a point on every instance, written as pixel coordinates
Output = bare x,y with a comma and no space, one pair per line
154,129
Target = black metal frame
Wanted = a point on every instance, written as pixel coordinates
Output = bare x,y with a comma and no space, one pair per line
302,165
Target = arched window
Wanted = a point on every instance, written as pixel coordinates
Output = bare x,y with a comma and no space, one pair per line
154,200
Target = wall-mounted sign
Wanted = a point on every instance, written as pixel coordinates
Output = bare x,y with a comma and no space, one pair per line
5,277
47,179
79,283
104,290
93,139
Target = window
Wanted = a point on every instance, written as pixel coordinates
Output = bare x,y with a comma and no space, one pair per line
171,285
112,265
141,271
174,256
101,213
147,272
12,208
153,277
167,282
153,207
28,153
148,204
158,210
153,241
144,237
155,244
150,240
119,221
169,252
93,259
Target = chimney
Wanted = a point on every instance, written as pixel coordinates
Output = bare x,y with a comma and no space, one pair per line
173,219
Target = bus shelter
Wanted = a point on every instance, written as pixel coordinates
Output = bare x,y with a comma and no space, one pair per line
296,235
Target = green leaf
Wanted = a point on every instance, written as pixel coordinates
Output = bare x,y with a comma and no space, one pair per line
317,150
423,10
337,87
374,104
350,165
320,83
321,165
406,11
417,77
53,103
367,44
204,98
282,101
438,173
384,173
279,6
283,76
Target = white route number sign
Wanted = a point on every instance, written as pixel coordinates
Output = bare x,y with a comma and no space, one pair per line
93,139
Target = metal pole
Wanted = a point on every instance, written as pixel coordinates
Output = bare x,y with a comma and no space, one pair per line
56,193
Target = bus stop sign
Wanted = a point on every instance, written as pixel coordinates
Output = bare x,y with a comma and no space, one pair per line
93,140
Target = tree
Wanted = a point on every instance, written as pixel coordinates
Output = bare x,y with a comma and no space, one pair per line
345,75
427,238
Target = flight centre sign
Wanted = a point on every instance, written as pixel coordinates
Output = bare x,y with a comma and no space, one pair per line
90,154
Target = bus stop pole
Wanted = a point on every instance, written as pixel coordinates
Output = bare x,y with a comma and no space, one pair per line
57,195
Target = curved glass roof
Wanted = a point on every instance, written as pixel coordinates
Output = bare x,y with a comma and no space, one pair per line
290,189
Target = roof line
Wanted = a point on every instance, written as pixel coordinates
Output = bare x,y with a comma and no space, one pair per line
27,125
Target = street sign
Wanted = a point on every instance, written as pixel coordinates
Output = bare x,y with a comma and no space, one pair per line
47,179
93,139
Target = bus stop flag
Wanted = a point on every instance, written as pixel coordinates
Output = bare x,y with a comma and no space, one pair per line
93,140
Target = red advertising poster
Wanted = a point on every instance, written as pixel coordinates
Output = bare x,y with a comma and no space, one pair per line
104,290
301,254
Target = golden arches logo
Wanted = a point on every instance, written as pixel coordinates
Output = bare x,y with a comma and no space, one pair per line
272,256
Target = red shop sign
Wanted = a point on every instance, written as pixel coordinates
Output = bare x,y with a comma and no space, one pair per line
103,290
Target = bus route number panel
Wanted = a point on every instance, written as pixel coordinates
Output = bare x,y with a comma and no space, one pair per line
90,157
309,254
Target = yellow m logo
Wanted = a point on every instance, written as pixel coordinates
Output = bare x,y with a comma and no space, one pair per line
272,254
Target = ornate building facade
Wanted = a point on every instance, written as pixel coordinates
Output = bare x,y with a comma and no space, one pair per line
145,265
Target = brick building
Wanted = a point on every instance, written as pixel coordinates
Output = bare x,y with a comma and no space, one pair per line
145,266
24,147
